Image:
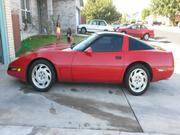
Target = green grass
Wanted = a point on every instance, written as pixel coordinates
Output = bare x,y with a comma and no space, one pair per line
36,42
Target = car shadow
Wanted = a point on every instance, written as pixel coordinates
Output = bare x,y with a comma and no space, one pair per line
158,38
159,41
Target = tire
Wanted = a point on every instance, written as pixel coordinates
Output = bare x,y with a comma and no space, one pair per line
83,30
123,32
137,79
41,75
146,36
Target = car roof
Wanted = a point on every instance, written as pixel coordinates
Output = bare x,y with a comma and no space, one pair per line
116,33
109,33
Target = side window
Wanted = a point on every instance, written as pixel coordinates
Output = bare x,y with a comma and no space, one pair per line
134,27
143,27
138,26
102,23
94,23
138,45
107,43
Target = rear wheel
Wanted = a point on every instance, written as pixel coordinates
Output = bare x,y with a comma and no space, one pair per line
137,79
83,30
41,75
146,37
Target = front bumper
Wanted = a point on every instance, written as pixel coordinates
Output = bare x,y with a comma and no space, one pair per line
78,30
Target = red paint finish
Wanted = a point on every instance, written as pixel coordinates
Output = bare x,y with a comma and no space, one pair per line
89,66
137,32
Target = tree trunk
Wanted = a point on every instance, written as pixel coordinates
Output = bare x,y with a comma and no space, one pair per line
173,20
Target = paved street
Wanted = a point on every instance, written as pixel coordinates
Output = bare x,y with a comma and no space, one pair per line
107,109
168,37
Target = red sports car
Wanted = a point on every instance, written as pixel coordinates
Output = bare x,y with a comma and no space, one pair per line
137,30
103,57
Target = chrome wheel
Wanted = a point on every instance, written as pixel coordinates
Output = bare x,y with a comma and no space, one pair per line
41,76
138,80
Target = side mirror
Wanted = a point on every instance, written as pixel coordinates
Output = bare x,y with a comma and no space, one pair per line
88,51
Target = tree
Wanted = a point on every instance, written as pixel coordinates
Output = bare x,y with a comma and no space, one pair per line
145,12
124,18
168,8
101,9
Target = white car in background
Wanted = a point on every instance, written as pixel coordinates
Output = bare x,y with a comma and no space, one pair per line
94,26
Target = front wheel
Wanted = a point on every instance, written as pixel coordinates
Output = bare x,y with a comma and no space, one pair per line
83,30
41,75
137,79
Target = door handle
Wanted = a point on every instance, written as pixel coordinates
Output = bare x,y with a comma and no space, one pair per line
118,57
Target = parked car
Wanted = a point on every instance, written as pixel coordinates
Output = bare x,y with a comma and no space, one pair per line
117,26
156,23
94,26
138,30
107,57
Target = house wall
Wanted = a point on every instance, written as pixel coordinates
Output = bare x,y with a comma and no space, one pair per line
34,11
67,11
16,10
9,29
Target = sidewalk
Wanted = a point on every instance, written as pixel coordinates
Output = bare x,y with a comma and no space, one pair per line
24,130
166,28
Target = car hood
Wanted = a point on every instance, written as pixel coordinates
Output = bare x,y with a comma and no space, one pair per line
54,47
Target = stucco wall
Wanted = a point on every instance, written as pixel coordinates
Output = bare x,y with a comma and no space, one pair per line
67,11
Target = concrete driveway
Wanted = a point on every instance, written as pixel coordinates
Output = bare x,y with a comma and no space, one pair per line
101,107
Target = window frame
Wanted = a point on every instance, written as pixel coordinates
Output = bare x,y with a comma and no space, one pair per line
94,21
101,36
104,24
144,44
25,8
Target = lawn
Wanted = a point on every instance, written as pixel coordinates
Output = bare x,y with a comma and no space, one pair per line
36,42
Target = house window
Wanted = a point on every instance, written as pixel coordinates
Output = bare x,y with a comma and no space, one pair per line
25,11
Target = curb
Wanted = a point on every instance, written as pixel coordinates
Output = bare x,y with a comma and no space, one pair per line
28,130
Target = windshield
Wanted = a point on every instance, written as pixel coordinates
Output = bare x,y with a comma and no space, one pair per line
82,45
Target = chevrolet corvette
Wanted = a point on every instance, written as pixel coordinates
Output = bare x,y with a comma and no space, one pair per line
104,57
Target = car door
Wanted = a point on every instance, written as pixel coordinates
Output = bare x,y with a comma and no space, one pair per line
139,30
132,30
102,61
102,26
143,30
93,26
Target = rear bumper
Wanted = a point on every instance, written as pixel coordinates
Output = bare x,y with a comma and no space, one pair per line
151,35
162,73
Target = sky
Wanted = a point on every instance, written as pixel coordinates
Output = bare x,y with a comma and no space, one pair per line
130,6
